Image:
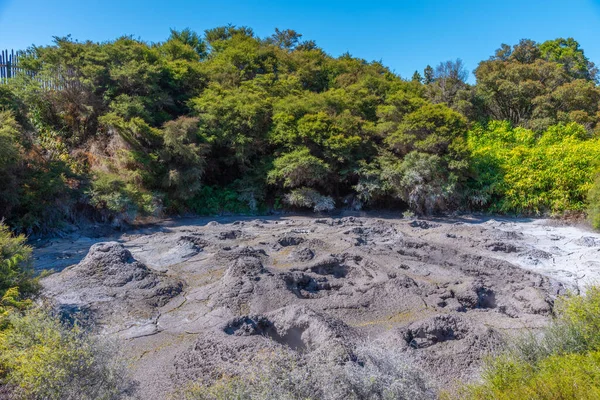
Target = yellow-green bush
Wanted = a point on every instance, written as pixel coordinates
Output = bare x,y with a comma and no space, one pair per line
16,274
594,203
43,359
520,171
563,363
40,358
572,376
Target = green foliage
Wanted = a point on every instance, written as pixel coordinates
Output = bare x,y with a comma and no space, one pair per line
568,53
519,171
594,203
16,273
423,181
42,359
563,363
141,128
299,168
534,85
309,198
39,357
433,129
10,156
214,200
122,197
183,155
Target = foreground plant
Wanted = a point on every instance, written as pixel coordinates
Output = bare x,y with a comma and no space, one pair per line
374,372
40,356
563,363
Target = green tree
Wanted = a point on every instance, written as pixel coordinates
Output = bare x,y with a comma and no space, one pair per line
428,75
568,53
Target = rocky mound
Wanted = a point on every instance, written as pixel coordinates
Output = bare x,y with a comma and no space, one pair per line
118,292
232,347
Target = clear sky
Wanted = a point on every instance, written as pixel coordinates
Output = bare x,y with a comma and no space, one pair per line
404,35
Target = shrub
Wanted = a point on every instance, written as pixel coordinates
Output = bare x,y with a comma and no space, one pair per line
298,168
423,181
594,203
519,171
562,363
16,274
309,198
376,372
42,359
213,200
120,196
10,155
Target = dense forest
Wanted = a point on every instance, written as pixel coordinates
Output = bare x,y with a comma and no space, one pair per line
230,122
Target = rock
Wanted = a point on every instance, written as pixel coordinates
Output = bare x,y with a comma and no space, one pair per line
423,224
230,235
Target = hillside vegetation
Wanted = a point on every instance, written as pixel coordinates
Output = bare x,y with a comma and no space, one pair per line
229,122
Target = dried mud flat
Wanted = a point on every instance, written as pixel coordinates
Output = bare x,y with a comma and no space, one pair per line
196,300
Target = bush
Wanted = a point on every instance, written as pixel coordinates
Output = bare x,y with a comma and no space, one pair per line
424,182
562,363
42,359
309,198
16,274
519,171
10,157
298,168
119,196
594,203
377,372
213,200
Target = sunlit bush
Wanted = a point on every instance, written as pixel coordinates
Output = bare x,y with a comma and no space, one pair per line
42,359
563,362
594,203
520,172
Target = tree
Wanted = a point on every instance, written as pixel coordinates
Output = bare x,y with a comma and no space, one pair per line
533,86
450,77
503,53
428,75
417,77
526,52
298,168
190,38
184,156
568,53
286,39
433,129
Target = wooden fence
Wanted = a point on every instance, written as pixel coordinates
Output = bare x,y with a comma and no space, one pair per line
57,79
9,65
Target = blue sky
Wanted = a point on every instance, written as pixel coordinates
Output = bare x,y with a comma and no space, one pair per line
405,35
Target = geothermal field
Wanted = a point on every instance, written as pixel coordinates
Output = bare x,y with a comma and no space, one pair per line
196,300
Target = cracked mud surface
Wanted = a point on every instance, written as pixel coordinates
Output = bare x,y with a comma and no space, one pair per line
193,299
